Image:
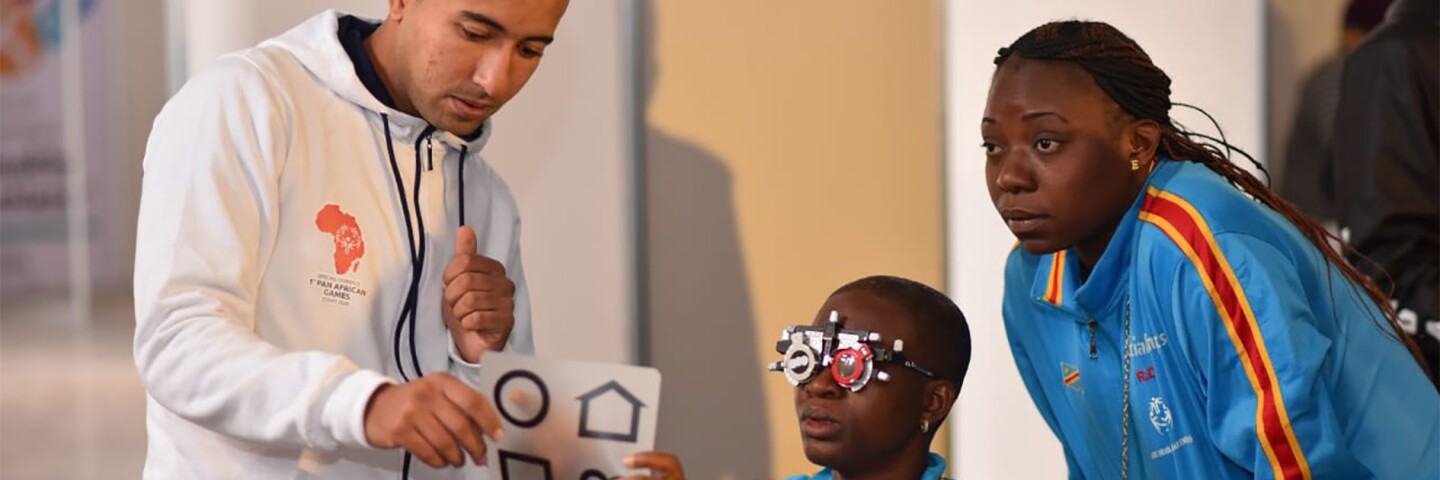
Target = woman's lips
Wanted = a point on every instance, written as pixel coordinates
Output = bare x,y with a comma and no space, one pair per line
1022,222
817,424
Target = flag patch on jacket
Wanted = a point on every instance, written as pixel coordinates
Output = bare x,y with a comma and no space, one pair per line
1071,376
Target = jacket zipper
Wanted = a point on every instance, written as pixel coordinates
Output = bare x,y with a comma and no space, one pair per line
1094,353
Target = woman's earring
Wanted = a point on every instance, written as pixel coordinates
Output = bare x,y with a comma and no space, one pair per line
924,426
1134,165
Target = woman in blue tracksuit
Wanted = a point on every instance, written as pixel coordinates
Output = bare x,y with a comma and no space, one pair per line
1171,317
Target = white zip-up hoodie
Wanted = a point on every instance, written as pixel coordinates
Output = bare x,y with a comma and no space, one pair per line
272,262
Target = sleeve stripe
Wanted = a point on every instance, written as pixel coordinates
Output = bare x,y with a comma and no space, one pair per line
1183,224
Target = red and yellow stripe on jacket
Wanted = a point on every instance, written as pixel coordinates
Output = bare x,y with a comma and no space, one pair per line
1184,225
1055,285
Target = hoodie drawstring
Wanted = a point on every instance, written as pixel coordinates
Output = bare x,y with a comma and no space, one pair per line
408,313
461,176
419,260
408,308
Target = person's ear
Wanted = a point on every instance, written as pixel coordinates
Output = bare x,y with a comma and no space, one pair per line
1142,141
939,397
398,9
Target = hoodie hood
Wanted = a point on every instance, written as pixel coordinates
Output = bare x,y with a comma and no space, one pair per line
316,45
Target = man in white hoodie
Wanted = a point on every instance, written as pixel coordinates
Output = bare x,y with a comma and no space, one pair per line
323,255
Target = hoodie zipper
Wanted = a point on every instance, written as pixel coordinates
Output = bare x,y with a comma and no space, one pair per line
429,153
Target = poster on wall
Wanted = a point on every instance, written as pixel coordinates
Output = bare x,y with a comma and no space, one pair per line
34,233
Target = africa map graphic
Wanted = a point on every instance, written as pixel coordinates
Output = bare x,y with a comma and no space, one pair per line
349,245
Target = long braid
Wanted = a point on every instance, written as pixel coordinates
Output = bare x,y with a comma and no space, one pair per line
1126,73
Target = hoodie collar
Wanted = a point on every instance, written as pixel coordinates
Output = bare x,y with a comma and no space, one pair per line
352,32
316,45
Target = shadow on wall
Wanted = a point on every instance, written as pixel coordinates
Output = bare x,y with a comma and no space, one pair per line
702,329
702,332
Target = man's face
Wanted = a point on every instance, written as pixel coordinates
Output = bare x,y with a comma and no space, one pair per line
461,60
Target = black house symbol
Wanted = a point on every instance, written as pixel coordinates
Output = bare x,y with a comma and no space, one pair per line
507,459
612,386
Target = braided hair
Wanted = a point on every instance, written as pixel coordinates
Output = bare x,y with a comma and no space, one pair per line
1127,75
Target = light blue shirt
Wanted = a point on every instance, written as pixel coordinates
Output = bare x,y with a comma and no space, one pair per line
934,467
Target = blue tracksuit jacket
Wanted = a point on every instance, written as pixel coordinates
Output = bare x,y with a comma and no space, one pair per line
1251,357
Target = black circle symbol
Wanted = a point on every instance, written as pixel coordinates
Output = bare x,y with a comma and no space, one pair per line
593,474
544,398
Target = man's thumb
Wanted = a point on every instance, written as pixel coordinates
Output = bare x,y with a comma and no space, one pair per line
465,243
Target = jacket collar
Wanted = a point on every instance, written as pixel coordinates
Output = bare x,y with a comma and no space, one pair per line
1057,280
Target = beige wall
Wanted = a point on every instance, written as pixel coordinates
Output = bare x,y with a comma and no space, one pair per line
792,147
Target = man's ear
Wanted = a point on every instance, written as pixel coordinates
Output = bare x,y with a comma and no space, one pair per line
398,9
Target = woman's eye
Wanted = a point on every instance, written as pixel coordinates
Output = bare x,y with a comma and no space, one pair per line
989,147
1046,145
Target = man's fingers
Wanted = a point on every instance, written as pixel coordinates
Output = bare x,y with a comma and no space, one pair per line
436,418
415,443
484,302
474,263
461,281
475,407
464,298
488,324
465,242
662,464
462,428
441,439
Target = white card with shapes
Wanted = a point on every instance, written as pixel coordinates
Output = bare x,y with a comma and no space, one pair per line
566,419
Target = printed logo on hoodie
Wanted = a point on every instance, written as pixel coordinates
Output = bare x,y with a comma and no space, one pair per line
349,249
349,245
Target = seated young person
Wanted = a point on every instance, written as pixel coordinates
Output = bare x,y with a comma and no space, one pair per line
876,373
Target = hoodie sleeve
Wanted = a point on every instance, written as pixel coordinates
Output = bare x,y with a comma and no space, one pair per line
1252,334
522,338
208,216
